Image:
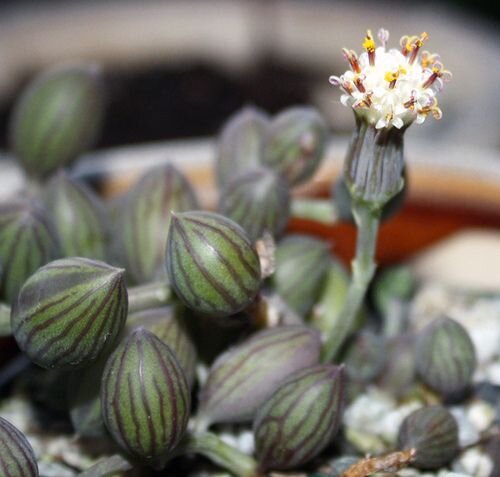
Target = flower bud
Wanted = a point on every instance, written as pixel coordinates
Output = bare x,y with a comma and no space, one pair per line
57,118
295,143
28,240
211,263
433,433
243,377
258,200
241,144
78,216
301,267
17,458
365,357
446,358
300,419
166,325
145,398
144,219
69,312
84,388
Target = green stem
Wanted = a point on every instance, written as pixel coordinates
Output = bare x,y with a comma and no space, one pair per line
319,210
212,447
108,467
151,295
363,269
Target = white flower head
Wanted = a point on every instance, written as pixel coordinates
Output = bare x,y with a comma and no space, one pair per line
392,87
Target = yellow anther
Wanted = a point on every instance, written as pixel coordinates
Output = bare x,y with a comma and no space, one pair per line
369,43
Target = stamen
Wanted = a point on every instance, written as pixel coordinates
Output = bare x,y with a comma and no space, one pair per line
416,45
383,36
365,102
410,104
352,58
359,83
369,46
437,72
392,76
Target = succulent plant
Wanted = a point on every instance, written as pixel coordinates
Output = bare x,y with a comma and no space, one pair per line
84,401
258,200
69,312
28,240
300,419
295,143
17,458
211,263
242,378
301,267
57,118
365,357
433,433
145,398
78,216
394,283
241,143
165,323
446,358
144,219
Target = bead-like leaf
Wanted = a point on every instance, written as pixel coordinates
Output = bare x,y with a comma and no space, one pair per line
300,419
17,458
242,378
301,266
145,398
446,358
69,312
365,357
433,433
166,325
241,144
28,240
295,143
144,218
78,217
57,118
258,200
211,263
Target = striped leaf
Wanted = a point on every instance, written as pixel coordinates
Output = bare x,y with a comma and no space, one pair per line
301,266
69,312
166,325
243,377
211,263
57,118
144,219
17,458
365,357
145,398
258,200
295,143
446,357
28,240
241,143
300,419
78,216
433,433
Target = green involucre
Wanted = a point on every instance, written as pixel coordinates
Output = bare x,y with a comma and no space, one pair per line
242,378
241,144
301,266
78,217
165,323
17,458
57,118
145,398
295,143
28,240
258,200
433,433
211,263
70,312
144,218
446,357
300,419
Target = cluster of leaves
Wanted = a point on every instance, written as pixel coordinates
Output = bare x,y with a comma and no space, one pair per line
69,262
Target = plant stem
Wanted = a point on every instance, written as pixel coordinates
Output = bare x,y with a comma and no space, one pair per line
212,447
108,467
319,210
151,295
363,269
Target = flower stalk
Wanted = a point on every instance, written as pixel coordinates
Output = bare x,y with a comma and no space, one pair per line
150,295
